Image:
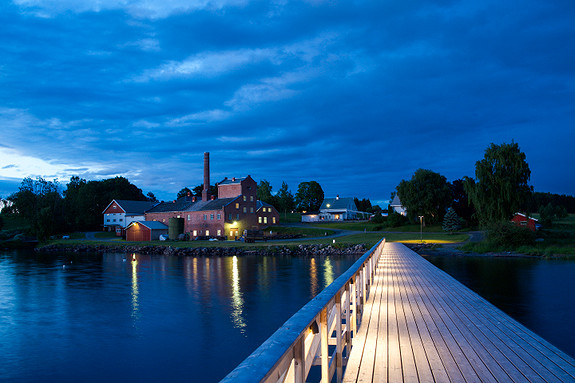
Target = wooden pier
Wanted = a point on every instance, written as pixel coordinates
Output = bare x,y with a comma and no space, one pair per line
421,325
394,317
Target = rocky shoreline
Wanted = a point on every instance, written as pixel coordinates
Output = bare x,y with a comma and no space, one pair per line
296,250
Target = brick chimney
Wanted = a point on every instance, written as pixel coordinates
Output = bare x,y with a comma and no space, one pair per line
206,176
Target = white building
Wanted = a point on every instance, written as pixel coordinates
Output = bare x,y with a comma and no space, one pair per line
397,206
121,213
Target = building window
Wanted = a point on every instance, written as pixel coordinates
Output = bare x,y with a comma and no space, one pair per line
252,198
211,217
219,233
230,216
195,233
219,217
179,216
121,219
274,220
237,216
245,209
207,232
108,220
237,205
265,219
114,220
259,219
189,217
205,217
164,220
245,198
251,209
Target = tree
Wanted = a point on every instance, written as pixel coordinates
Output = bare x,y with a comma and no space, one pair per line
185,191
197,191
461,204
284,199
151,197
309,196
451,221
500,187
427,194
550,213
363,205
264,192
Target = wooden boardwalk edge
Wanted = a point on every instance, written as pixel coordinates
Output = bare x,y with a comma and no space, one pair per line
421,325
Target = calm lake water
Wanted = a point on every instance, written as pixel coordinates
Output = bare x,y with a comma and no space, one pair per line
101,318
539,293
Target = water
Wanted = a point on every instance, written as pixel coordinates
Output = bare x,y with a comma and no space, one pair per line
94,318
539,293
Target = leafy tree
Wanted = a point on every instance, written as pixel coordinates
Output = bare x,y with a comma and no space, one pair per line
461,204
394,219
1,222
500,186
550,213
451,221
40,204
184,192
264,192
363,205
309,196
284,199
197,191
427,194
151,197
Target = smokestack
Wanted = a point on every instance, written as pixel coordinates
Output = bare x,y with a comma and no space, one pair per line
206,176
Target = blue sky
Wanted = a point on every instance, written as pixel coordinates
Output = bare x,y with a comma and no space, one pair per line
356,95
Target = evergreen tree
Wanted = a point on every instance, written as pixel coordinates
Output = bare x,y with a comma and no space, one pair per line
451,221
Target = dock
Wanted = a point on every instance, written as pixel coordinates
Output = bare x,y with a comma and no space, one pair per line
421,325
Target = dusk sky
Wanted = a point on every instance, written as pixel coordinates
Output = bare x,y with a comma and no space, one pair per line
356,95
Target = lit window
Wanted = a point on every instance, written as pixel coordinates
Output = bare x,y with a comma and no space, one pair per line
259,219
207,232
237,205
245,198
219,233
245,209
179,216
195,233
189,217
265,219
252,198
251,209
274,220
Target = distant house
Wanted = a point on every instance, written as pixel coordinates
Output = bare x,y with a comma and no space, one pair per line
119,214
397,206
523,220
335,209
145,231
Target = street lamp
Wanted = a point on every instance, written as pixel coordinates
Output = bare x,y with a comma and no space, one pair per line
421,228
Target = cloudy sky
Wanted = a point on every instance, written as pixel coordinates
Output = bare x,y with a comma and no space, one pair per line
356,95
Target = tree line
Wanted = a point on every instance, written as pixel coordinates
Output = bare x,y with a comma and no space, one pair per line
499,189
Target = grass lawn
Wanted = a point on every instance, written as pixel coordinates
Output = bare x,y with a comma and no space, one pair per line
304,231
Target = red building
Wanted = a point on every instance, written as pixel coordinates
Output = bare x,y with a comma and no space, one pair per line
145,231
235,210
522,220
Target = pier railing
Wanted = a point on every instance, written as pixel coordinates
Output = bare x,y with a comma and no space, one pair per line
320,334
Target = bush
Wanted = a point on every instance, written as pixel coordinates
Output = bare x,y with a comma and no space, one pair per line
506,235
395,219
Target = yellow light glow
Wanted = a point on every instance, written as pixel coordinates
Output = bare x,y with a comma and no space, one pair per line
237,298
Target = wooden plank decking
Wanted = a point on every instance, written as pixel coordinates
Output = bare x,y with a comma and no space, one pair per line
421,325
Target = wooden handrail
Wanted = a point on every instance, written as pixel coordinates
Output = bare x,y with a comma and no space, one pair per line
330,319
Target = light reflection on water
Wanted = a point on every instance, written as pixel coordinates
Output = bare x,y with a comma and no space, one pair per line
110,318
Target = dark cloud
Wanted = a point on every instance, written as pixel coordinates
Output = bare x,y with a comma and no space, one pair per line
356,95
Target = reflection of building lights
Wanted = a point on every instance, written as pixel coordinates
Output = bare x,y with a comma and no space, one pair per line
328,272
237,299
313,278
135,290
